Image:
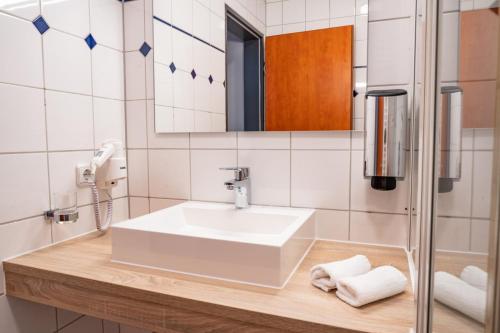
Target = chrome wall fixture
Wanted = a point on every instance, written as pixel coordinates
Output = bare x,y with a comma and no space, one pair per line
386,125
450,143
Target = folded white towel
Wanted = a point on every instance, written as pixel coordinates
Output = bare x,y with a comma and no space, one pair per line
382,282
325,276
475,276
459,295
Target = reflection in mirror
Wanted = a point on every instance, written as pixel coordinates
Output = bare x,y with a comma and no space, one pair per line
244,66
229,70
468,43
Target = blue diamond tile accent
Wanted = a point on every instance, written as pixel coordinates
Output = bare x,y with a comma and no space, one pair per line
90,41
41,24
172,67
145,48
193,74
210,79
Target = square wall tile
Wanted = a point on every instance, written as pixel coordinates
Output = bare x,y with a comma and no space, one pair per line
182,51
67,16
17,315
138,206
365,198
64,317
29,10
213,140
484,139
138,172
67,63
164,85
162,51
22,108
274,13
332,224
294,27
164,119
157,204
183,120
263,140
133,27
316,25
106,23
109,120
23,54
207,180
482,184
317,10
62,168
107,73
70,123
163,140
183,90
163,9
202,61
217,31
85,324
480,235
342,8
337,140
135,73
270,182
294,11
458,201
201,21
383,229
390,50
34,233
320,179
182,14
452,234
169,174
25,189
136,124
390,9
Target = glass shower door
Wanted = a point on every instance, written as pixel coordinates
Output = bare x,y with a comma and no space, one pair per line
464,233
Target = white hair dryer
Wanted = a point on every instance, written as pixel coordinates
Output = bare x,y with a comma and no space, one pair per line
107,167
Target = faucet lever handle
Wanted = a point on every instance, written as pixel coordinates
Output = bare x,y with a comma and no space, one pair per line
240,173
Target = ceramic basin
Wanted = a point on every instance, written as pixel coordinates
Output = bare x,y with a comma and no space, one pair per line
256,245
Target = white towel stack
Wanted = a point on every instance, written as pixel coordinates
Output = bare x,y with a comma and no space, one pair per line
460,295
325,276
356,283
380,283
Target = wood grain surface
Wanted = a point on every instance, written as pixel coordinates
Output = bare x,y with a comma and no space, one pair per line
78,275
309,80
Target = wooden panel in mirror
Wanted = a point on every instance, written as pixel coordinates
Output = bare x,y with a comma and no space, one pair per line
309,80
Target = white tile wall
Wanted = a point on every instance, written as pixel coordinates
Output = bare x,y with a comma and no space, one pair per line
50,121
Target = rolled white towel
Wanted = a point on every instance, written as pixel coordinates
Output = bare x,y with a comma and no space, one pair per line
382,282
325,276
475,276
459,295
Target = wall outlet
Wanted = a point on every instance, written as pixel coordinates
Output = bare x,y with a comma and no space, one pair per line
83,175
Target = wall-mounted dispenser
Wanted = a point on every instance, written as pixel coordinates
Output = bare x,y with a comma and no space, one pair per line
386,125
450,138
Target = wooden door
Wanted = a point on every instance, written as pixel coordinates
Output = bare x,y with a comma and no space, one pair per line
309,80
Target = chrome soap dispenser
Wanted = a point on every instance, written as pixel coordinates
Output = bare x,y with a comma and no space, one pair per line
385,138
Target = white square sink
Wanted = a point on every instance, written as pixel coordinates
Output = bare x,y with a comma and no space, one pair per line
256,245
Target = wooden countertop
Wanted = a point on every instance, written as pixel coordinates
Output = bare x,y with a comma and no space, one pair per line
78,275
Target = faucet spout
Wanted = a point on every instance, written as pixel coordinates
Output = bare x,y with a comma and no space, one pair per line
240,186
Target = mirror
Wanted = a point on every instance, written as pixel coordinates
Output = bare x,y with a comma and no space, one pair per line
226,67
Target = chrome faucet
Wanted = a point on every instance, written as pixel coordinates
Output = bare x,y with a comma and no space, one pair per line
240,185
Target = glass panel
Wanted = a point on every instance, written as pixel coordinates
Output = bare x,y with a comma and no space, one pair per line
466,97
